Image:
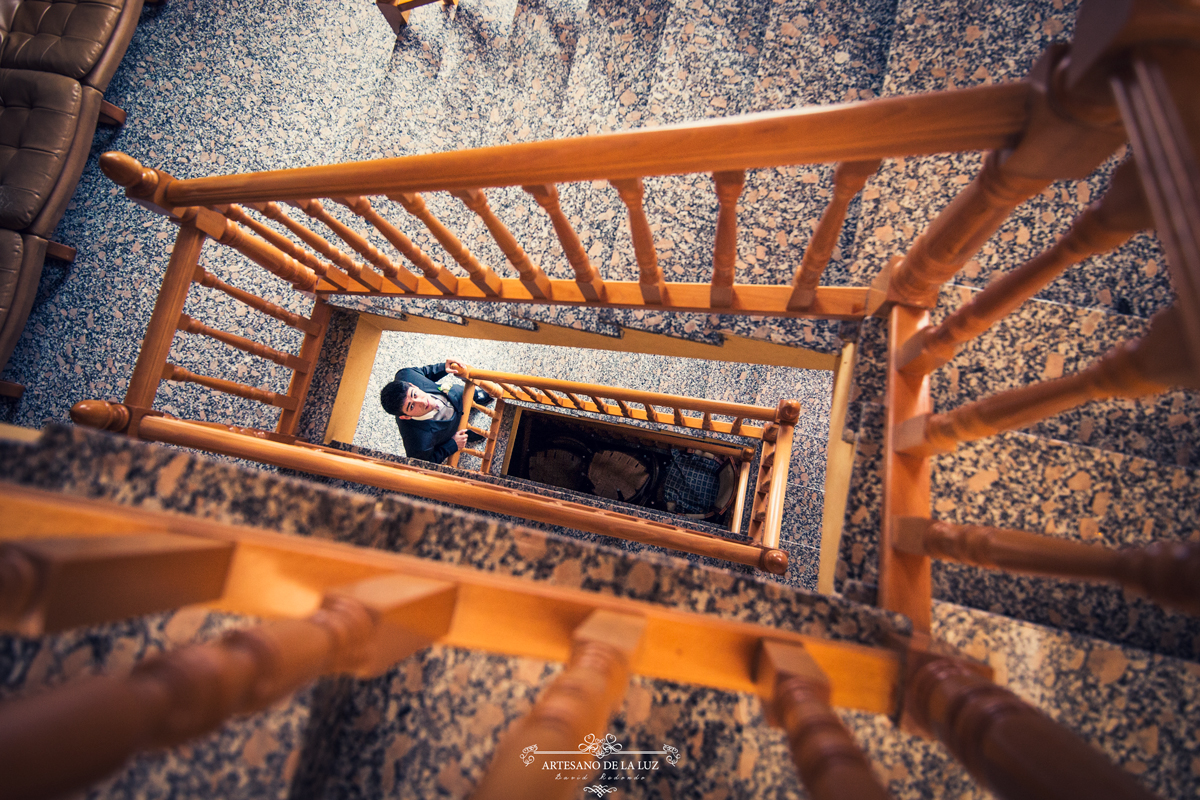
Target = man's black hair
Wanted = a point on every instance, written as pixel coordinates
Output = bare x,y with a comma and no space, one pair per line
393,395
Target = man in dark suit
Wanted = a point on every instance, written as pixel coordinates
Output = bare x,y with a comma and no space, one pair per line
427,414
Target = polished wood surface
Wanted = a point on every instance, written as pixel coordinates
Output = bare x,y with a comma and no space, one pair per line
276,575
848,180
174,372
396,273
483,277
156,343
188,324
795,694
978,118
323,269
577,703
438,276
591,285
1014,750
1165,572
315,209
67,738
905,584
532,276
650,277
353,269
1103,226
729,187
206,278
50,585
310,350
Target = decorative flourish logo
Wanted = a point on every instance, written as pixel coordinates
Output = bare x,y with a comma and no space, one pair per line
672,754
600,747
599,790
528,754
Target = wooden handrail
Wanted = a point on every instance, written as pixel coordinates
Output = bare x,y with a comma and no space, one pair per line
579,702
978,118
1013,749
848,180
455,490
763,413
1103,226
168,699
1165,572
50,585
795,694
279,575
1145,366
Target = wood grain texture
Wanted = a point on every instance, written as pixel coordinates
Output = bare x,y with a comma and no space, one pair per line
729,187
487,281
531,275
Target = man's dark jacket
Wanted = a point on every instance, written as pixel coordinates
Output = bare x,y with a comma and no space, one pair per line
430,439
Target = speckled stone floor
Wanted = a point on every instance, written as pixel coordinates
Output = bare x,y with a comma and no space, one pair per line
229,85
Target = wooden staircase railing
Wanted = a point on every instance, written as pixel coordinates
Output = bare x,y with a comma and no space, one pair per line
334,608
1126,75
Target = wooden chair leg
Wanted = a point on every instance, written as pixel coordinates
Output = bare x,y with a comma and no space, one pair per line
111,114
396,18
63,252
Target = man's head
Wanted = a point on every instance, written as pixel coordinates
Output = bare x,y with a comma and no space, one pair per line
403,400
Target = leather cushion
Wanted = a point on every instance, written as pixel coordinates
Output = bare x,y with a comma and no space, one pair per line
12,253
39,114
61,36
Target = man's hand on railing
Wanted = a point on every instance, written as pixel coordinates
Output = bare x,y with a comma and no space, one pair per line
456,366
460,439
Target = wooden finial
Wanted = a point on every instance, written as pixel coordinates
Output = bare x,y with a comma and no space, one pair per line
101,414
788,411
128,172
774,562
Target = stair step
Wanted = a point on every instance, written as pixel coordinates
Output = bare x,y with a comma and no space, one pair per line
1026,483
1043,340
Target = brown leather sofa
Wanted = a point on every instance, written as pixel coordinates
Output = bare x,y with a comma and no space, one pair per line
56,59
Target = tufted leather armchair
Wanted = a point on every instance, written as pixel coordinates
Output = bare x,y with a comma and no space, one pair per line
56,59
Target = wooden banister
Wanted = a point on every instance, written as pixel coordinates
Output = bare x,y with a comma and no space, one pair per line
1013,749
489,450
483,277
977,118
156,344
455,490
360,272
464,421
65,739
173,372
322,269
795,694
848,180
50,585
310,350
206,278
194,326
266,255
729,188
395,273
650,277
589,280
1145,366
1165,572
1103,226
579,702
273,211
532,276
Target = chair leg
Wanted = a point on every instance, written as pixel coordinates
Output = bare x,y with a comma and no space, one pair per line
396,18
60,251
9,389
110,114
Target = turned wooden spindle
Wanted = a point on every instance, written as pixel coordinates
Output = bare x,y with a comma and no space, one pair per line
483,277
795,693
650,277
677,419
729,189
848,180
1165,572
493,434
139,182
578,702
1103,226
599,403
206,278
70,582
1142,367
532,277
322,268
624,409
315,209
266,255
194,326
173,372
1013,749
554,398
574,398
69,737
396,273
589,280
101,414
273,211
